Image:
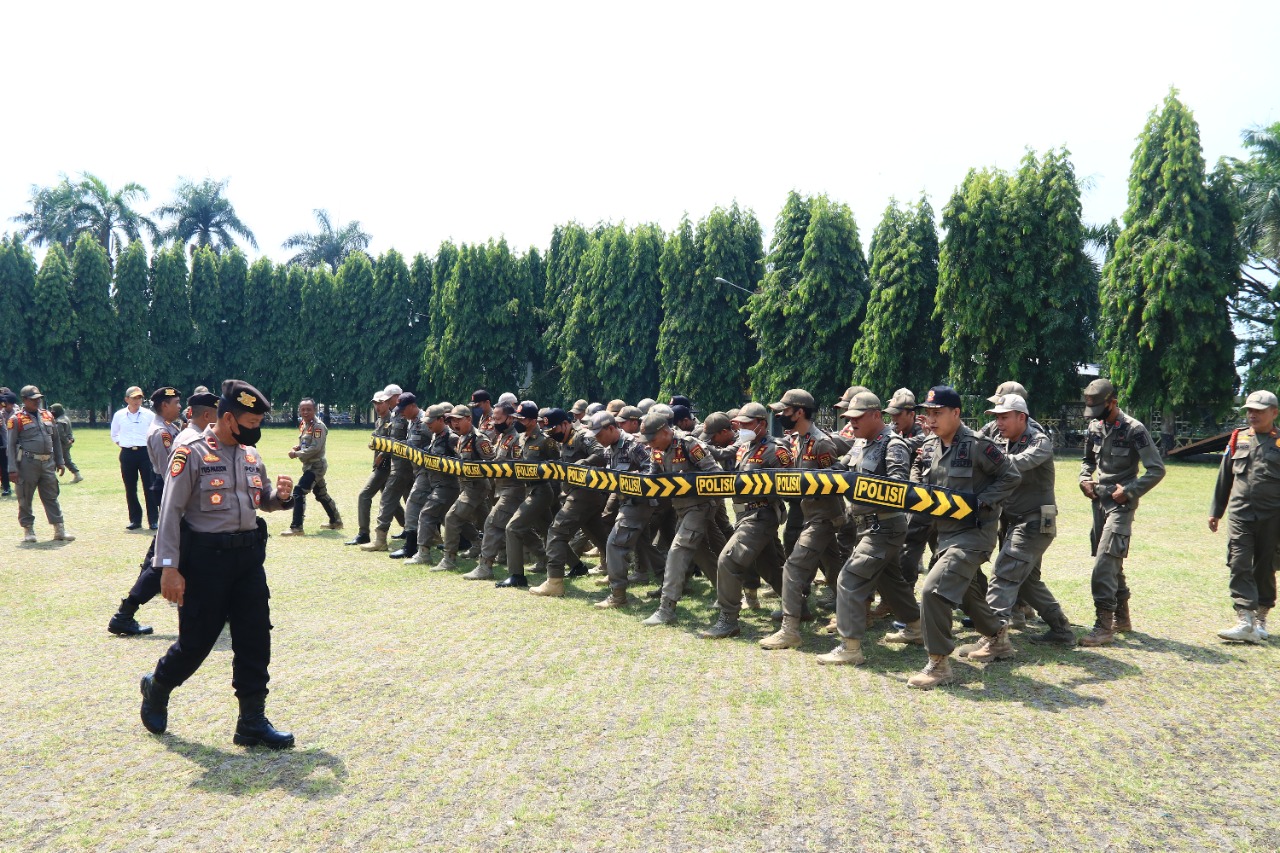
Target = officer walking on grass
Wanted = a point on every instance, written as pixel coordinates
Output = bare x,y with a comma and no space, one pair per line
211,548
35,461
1248,488
1114,445
312,436
378,476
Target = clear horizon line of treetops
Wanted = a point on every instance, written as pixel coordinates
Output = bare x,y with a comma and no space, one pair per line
1019,287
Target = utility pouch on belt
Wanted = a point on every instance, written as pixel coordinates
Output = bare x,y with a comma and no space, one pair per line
1049,519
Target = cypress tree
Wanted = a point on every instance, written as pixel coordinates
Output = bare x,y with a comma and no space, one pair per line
1164,330
209,318
54,369
643,310
897,344
170,321
356,301
240,332
97,348
17,299
134,352
262,363
317,327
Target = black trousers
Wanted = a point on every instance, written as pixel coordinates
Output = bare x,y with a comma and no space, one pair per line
223,586
135,465
4,469
147,586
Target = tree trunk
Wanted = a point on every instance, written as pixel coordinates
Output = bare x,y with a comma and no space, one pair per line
1168,431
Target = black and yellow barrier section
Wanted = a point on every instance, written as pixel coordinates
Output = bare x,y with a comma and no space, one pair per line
777,482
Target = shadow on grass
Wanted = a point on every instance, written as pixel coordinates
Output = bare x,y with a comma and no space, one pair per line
311,774
1138,642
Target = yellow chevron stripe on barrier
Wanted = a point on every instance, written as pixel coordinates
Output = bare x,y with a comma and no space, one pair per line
781,483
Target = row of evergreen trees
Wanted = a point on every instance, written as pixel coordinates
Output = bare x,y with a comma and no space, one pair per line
1011,291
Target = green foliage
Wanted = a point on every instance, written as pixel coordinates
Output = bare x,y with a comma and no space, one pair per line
238,333
703,343
435,361
54,367
54,218
97,347
201,213
170,322
569,243
1257,306
208,315
17,299
897,344
356,304
109,215
267,334
1014,285
398,333
318,373
1165,330
638,375
135,356
331,245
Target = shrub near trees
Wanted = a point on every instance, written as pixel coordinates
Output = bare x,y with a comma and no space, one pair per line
1009,292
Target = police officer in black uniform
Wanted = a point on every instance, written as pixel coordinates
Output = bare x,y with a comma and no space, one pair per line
211,548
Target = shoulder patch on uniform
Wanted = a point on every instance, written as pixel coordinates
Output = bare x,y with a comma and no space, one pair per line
824,460
483,445
179,461
785,459
696,452
166,439
993,453
1141,439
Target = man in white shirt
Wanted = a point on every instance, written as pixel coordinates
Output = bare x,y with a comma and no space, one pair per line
129,428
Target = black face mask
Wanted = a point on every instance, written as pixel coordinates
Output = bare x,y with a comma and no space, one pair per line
518,426
562,436
246,436
787,421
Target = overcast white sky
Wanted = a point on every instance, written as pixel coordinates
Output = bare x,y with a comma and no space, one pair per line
477,120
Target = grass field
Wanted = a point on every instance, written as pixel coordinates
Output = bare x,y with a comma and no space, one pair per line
436,714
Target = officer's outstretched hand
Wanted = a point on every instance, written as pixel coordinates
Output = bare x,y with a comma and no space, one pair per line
284,487
172,585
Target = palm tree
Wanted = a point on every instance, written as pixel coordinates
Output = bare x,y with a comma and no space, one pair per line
201,213
1260,192
104,213
331,246
55,218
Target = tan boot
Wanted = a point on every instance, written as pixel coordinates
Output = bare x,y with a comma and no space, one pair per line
969,648
617,598
78,478
1123,624
935,673
473,553
1260,624
294,531
28,534
849,651
997,648
909,635
379,542
551,587
336,524
1103,633
786,637
750,599
418,559
1246,628
60,533
880,611
482,572
447,563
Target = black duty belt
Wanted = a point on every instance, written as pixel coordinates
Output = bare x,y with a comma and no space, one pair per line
869,518
227,541
900,495
1018,519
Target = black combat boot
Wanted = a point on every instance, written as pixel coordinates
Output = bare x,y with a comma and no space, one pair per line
579,570
123,622
516,581
360,538
409,548
155,705
254,729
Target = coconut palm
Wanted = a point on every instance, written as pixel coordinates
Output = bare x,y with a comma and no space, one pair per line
1260,192
331,246
109,215
203,216
54,218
